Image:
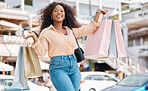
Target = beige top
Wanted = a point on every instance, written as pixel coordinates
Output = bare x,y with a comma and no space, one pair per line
55,43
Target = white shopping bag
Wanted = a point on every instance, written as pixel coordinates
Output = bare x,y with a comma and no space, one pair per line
20,81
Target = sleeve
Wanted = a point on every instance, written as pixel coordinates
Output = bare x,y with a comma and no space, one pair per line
42,45
86,30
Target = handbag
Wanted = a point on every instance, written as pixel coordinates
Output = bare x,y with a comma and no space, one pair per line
78,52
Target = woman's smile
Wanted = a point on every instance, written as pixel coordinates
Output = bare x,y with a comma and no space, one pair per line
59,16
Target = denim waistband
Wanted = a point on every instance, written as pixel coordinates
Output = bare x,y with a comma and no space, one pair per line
64,56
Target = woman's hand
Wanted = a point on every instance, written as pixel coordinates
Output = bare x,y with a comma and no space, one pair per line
31,34
98,12
103,11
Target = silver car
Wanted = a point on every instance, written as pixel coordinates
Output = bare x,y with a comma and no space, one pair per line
7,80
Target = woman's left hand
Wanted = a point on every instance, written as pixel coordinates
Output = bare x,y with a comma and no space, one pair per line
98,14
103,11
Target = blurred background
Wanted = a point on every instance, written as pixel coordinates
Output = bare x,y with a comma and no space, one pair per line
19,16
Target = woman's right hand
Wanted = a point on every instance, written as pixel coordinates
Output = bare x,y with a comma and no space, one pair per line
31,34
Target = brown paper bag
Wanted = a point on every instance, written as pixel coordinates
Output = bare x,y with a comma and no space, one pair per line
31,63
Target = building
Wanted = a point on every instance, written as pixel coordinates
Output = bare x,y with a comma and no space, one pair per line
137,24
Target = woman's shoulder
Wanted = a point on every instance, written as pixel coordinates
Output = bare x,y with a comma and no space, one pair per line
45,30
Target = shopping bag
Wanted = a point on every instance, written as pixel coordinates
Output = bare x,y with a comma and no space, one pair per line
112,46
97,44
32,66
19,80
121,51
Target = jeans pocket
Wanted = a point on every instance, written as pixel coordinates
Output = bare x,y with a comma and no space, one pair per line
56,61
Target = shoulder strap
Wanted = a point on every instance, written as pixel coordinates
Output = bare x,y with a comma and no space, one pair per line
75,37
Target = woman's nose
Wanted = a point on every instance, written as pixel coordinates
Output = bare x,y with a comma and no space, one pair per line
59,11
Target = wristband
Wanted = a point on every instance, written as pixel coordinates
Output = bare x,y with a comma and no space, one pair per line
98,12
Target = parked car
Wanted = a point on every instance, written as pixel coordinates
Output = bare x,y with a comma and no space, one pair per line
96,81
7,80
136,82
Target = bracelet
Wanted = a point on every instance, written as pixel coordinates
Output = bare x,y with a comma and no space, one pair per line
98,12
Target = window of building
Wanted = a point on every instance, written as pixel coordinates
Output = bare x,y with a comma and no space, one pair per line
7,33
1,0
145,40
29,2
130,42
18,6
138,42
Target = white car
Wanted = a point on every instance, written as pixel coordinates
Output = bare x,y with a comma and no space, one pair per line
7,80
96,81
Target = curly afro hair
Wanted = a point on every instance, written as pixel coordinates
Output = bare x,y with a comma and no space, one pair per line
70,16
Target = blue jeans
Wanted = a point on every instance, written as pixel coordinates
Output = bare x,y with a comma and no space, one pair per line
64,73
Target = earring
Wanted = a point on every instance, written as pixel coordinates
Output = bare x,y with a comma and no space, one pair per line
51,18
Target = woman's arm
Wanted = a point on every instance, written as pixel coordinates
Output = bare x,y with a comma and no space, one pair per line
98,12
91,27
40,44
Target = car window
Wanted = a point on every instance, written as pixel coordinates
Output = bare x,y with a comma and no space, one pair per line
133,80
94,77
108,78
89,77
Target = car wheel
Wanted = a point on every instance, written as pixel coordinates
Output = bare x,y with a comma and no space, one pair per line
92,89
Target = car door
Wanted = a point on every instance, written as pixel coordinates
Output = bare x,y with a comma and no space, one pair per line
103,81
95,82
100,82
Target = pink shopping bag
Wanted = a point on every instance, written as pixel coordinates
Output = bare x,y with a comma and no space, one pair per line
97,44
121,51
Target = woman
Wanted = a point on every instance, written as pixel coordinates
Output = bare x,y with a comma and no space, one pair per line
56,39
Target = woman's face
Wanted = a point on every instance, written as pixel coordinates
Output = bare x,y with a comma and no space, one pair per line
58,14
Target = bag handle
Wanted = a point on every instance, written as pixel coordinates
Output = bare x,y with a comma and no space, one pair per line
106,16
27,42
75,38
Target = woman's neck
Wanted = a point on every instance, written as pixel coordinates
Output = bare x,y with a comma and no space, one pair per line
58,26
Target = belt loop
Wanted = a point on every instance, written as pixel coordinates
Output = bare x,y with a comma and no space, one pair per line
62,57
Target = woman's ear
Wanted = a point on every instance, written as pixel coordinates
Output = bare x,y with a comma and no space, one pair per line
51,15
